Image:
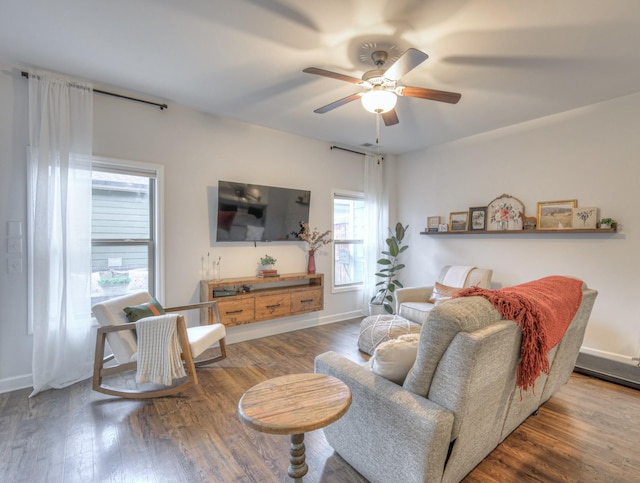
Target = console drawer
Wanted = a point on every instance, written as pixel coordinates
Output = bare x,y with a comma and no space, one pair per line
306,301
236,312
270,306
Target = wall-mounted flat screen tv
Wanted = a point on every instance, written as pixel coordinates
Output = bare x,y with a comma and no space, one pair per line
251,212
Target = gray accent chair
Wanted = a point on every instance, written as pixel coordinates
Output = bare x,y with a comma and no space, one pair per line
458,402
412,303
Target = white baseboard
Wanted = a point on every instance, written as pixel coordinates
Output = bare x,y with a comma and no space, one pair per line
15,383
608,355
258,330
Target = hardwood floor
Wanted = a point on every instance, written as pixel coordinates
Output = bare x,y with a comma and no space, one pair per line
588,432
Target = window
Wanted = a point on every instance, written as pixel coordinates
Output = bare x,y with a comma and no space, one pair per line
348,229
124,217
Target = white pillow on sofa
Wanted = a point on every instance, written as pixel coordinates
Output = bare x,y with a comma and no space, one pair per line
394,358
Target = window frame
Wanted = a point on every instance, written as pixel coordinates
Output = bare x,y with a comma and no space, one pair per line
355,286
155,245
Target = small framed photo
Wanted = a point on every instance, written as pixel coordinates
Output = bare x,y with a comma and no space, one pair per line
478,218
459,220
556,215
585,218
432,223
443,227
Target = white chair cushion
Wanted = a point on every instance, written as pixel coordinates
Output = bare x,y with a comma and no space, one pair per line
201,337
111,312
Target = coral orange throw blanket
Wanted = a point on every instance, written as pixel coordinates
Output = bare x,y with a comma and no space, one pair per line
543,309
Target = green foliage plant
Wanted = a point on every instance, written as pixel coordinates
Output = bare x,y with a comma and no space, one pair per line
267,260
391,266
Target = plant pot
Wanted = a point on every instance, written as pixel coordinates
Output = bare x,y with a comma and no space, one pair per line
377,309
604,226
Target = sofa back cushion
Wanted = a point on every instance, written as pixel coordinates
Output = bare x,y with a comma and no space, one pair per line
445,321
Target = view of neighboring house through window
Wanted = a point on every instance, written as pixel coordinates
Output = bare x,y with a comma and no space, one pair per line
122,231
348,229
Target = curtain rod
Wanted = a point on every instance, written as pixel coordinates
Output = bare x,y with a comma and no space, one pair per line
113,94
349,150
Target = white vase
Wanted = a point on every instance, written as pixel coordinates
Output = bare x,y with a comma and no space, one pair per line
377,309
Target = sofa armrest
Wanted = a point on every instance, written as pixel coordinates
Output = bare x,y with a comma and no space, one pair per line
412,294
389,433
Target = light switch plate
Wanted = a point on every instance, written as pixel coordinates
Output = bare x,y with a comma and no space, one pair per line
14,244
14,265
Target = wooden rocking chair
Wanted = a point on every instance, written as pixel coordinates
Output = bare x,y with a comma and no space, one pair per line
117,330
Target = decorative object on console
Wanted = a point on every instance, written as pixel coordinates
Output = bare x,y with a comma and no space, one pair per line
585,218
314,240
267,263
478,218
555,215
391,265
505,213
459,220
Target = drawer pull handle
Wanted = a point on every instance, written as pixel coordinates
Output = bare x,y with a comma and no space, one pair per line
306,301
234,312
273,306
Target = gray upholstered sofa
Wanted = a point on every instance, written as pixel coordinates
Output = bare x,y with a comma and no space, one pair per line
458,402
412,303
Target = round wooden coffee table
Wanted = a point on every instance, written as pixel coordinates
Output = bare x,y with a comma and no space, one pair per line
295,404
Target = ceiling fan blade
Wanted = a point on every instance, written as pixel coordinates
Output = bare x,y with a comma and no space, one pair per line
431,94
409,60
390,118
332,75
338,103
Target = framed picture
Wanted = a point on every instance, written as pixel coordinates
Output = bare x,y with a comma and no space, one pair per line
505,213
443,227
556,215
459,220
478,218
432,223
585,218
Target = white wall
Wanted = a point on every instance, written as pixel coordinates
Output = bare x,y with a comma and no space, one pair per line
196,151
589,154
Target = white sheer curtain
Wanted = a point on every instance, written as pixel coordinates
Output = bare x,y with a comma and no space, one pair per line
59,177
377,220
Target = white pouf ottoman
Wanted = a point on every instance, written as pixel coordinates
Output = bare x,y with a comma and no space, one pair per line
376,329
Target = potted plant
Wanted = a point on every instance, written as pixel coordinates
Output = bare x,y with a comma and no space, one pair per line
383,298
607,222
267,262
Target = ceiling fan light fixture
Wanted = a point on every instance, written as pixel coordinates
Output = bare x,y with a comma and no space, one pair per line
379,100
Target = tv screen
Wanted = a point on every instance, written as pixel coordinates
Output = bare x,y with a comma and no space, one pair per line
251,212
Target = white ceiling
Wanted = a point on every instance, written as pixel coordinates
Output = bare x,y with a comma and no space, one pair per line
512,61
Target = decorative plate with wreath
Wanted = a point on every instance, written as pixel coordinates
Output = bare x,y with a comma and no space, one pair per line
505,213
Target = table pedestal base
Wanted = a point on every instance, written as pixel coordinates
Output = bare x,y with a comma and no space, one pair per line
297,467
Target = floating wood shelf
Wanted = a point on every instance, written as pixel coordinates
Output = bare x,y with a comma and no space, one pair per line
566,231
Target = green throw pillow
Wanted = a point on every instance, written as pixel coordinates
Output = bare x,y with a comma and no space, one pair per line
151,308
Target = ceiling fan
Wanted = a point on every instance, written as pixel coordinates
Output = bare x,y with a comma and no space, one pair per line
381,85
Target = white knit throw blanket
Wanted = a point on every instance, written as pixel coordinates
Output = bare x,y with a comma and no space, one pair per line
159,359
456,276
